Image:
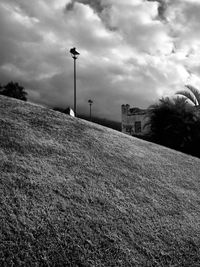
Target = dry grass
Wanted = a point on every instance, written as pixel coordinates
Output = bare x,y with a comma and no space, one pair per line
73,193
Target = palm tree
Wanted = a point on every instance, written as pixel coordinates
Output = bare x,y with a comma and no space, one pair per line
191,94
172,122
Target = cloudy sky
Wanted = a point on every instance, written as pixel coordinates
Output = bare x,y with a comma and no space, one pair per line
131,51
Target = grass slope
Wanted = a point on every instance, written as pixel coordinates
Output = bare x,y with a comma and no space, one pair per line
73,193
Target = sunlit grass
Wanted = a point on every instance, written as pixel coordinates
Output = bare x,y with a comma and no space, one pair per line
73,193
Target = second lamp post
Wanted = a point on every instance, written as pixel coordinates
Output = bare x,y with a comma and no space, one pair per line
90,103
74,55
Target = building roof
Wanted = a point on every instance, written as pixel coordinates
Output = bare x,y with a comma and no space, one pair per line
137,111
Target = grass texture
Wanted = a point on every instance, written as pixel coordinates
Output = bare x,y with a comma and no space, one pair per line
73,193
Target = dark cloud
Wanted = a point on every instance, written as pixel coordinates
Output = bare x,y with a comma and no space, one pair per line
162,7
99,7
128,64
96,5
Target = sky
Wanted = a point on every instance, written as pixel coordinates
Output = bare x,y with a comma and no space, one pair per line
131,51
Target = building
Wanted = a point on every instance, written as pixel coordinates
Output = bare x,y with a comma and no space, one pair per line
134,121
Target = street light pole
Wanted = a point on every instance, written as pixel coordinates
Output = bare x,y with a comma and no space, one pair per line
74,55
90,103
74,85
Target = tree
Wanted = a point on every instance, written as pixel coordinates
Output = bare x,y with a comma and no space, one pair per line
192,94
13,90
175,124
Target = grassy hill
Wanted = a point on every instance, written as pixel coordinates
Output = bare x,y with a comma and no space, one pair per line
74,193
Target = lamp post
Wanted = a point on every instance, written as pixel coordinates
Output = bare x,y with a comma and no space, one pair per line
74,55
90,103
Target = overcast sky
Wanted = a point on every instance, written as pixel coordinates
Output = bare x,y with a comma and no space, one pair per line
131,51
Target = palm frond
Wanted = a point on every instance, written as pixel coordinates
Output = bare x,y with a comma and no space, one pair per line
195,92
188,95
180,100
165,100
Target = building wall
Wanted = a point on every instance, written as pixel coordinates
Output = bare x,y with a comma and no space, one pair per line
134,120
